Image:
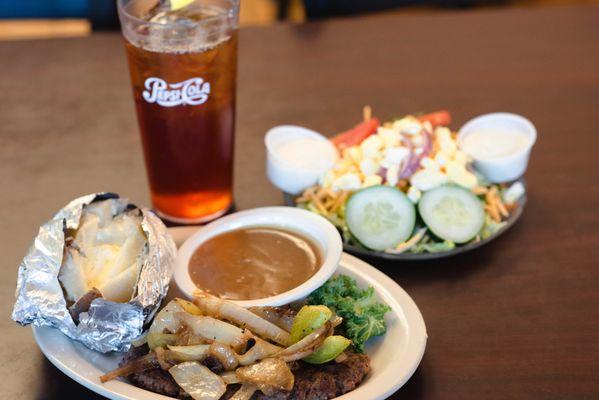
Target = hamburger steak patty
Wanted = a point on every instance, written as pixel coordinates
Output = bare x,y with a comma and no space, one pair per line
154,380
312,382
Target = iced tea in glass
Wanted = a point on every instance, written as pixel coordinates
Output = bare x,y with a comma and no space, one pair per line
183,66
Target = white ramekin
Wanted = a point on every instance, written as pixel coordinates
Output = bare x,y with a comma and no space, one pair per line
290,178
313,226
501,169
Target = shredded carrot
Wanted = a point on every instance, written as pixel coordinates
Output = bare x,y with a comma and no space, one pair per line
502,210
367,113
480,190
328,203
492,200
493,213
320,206
511,206
307,195
340,200
326,200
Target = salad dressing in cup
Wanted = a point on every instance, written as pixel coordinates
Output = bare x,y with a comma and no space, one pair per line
296,157
495,143
499,143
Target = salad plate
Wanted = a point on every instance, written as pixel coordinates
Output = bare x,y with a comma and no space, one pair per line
394,356
410,188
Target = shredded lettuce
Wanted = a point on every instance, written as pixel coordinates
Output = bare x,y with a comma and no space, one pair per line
430,246
363,316
491,227
482,181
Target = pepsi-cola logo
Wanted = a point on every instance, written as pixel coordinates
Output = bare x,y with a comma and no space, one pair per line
191,92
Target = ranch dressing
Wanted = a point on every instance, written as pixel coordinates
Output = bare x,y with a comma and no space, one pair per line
306,153
494,143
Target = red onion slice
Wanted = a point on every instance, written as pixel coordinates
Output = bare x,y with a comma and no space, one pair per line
413,162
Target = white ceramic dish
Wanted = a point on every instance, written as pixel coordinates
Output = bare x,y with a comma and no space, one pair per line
313,226
394,356
510,167
294,178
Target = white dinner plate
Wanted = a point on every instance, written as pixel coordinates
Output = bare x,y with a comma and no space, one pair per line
394,356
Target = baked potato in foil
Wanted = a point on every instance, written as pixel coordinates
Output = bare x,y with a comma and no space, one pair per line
98,271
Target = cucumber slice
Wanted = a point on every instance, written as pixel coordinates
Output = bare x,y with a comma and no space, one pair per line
452,213
380,217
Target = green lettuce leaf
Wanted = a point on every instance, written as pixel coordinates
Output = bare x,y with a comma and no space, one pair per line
491,227
432,246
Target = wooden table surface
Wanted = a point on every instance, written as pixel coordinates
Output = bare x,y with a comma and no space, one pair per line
517,319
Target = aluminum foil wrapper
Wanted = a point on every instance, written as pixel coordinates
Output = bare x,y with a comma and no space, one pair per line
106,326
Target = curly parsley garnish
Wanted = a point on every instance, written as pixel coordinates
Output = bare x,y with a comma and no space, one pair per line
363,317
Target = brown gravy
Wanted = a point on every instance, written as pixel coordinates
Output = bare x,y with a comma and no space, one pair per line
253,263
